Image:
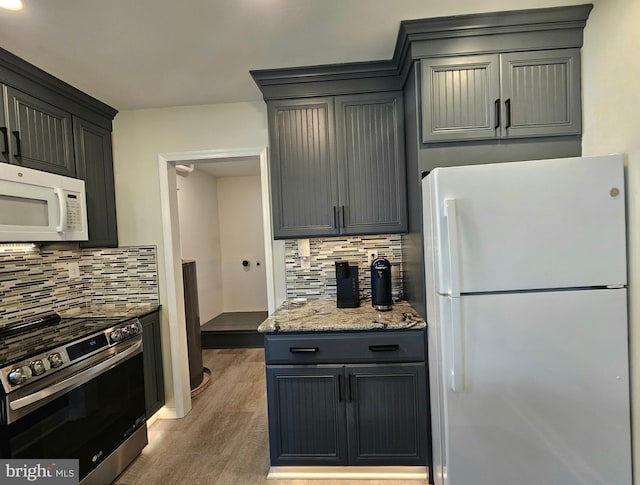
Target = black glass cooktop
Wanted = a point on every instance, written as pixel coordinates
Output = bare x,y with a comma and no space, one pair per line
21,343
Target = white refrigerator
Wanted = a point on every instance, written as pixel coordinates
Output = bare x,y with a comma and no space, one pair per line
526,280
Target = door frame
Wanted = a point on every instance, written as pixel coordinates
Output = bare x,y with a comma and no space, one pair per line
171,244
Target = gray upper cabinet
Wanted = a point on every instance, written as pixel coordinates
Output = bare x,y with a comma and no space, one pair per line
39,134
48,125
460,98
511,95
5,153
303,167
541,93
94,161
337,165
371,160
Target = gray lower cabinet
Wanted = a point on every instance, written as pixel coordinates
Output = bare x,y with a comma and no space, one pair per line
349,413
94,160
307,420
386,413
38,134
152,358
338,165
501,96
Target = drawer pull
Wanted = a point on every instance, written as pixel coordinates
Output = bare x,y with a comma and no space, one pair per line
303,350
384,348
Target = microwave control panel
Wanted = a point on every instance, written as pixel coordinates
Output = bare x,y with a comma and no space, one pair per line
74,212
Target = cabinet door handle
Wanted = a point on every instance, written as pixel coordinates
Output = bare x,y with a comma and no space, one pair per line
350,391
303,350
335,217
339,387
18,147
343,223
507,104
5,135
384,348
496,105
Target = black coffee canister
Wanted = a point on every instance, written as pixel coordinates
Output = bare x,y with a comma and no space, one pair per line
381,284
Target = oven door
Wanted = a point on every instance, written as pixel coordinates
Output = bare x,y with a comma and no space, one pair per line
87,422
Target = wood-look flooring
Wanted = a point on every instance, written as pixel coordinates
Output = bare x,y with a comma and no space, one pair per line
223,440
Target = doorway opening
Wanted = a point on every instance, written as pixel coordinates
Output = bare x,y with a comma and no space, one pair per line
174,300
221,234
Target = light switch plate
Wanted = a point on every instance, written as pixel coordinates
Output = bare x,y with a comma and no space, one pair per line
371,255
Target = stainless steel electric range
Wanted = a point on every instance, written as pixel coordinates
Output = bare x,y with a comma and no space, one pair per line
73,388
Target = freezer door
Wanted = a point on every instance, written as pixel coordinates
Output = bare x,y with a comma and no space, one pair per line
545,389
529,225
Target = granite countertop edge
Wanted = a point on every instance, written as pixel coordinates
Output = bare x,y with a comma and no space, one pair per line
324,316
97,310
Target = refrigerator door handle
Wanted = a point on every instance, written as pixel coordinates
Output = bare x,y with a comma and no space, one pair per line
457,357
450,213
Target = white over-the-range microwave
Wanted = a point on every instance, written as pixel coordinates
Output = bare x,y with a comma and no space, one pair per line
41,206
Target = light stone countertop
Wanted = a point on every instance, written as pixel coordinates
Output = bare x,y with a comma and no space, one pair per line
323,315
110,310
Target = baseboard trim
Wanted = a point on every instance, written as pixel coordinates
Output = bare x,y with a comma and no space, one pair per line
348,472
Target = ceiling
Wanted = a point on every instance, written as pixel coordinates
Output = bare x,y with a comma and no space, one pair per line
135,54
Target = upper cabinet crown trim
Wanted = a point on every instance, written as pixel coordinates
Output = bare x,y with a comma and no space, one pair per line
532,29
18,73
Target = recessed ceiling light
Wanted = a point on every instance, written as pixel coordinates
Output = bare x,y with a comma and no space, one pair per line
11,4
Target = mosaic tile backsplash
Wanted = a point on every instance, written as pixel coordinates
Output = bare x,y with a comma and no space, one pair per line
37,281
319,281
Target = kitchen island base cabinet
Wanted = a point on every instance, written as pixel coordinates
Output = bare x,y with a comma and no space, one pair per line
348,414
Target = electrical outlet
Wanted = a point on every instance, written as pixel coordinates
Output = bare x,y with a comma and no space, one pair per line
74,270
371,255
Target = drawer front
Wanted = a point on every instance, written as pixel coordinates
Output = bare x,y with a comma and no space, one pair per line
345,347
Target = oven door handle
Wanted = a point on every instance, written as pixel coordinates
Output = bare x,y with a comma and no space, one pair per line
76,379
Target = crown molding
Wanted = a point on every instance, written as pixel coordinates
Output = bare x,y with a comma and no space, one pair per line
543,28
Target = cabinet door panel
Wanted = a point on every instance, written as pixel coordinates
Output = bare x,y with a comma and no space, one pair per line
95,166
371,157
5,149
387,410
41,134
541,91
303,172
307,423
152,358
459,98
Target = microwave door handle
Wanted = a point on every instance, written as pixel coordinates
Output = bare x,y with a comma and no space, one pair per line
63,209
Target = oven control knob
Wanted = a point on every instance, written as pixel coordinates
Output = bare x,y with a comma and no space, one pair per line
17,376
55,360
133,329
116,335
37,367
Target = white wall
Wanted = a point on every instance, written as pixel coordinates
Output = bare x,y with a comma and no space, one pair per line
138,138
611,107
200,238
242,238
